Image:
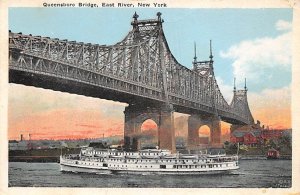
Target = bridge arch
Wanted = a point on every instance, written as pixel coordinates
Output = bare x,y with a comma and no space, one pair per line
204,135
134,121
149,134
146,117
149,124
196,123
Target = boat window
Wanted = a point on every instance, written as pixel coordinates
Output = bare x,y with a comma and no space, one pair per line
162,166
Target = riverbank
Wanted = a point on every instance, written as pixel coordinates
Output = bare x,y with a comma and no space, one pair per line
263,157
40,159
40,155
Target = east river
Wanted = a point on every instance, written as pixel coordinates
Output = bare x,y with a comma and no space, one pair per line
252,174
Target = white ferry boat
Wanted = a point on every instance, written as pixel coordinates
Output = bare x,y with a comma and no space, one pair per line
149,161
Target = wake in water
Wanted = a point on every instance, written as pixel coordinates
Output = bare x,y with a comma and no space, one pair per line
259,174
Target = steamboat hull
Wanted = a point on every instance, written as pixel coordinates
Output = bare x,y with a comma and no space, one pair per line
77,169
159,172
83,169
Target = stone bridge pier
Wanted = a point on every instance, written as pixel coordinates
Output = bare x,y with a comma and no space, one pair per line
137,114
197,121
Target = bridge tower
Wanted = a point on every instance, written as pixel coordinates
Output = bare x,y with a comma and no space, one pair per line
240,104
162,113
213,121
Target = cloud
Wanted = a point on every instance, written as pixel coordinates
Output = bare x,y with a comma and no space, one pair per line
254,59
24,101
283,25
89,126
272,107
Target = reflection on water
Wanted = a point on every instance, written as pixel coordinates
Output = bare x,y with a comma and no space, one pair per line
252,173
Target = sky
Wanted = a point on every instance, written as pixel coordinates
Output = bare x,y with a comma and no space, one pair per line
247,43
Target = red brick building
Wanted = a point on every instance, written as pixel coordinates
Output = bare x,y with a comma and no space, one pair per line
255,137
251,138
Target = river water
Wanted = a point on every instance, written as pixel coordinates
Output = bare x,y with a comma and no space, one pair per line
252,174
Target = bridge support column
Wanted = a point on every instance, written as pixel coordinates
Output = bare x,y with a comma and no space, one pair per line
135,115
215,135
194,123
166,131
131,130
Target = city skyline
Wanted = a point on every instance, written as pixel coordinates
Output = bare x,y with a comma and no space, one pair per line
246,50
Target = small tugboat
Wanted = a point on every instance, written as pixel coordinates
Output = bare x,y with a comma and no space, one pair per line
149,161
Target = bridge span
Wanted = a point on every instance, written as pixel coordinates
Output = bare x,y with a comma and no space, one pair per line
141,71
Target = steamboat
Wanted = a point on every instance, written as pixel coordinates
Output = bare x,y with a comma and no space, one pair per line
147,161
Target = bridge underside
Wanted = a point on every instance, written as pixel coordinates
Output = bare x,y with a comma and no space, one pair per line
138,110
89,90
70,86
